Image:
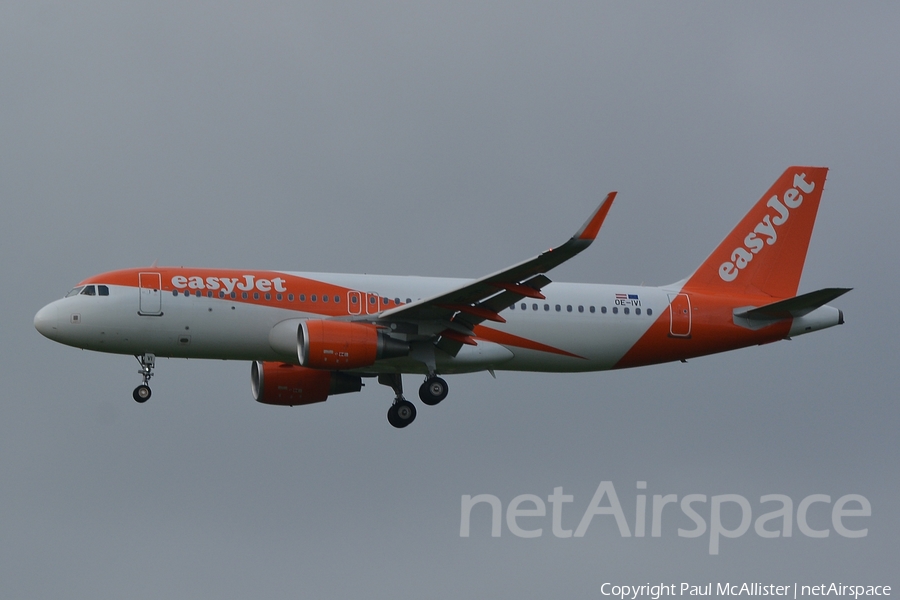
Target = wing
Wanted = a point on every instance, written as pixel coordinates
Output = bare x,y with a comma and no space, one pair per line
454,314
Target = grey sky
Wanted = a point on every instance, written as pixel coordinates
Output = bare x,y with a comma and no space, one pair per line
435,139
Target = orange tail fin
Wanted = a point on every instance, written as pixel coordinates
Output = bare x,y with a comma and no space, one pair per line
765,253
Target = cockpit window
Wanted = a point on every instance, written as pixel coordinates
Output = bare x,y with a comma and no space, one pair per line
75,291
88,291
102,290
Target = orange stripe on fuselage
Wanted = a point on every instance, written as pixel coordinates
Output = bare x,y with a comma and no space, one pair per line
508,339
712,330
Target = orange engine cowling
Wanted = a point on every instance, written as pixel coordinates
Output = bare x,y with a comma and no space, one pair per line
290,385
334,345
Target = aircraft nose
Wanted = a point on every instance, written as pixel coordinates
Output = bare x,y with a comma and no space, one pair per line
46,321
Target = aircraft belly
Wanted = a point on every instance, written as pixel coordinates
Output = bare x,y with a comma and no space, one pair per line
188,328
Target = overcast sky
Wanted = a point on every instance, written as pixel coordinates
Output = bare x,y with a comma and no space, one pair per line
437,139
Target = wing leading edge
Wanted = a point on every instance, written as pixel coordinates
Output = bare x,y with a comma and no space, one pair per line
458,311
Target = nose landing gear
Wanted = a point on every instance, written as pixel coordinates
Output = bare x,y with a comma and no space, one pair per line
142,392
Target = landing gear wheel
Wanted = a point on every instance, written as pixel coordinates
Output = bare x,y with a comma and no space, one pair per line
141,393
433,390
401,414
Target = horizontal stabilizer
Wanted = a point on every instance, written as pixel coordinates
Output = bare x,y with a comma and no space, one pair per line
792,308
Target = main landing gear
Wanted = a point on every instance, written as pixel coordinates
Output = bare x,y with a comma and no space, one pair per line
433,390
142,392
403,412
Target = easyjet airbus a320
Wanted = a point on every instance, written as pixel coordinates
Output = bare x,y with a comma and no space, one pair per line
311,335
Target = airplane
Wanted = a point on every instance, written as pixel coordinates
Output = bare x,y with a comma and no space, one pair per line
313,335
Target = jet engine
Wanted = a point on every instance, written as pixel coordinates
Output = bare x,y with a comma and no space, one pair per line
289,385
335,345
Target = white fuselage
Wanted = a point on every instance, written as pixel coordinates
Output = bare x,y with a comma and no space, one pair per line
586,322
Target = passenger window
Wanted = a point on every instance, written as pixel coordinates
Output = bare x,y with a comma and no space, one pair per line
324,298
302,297
312,298
626,310
278,297
268,296
396,300
244,295
353,300
558,308
637,311
592,309
513,307
580,308
546,307
615,310
523,306
221,294
290,297
649,312
337,299
603,309
174,292
209,294
88,290
408,300
256,295
569,308
103,290
534,306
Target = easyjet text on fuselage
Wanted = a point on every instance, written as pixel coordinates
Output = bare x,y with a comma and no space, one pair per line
245,283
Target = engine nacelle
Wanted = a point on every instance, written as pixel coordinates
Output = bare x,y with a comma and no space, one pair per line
335,345
289,385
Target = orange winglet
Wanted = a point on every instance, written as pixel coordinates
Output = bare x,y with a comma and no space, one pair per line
458,337
590,229
477,311
516,288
